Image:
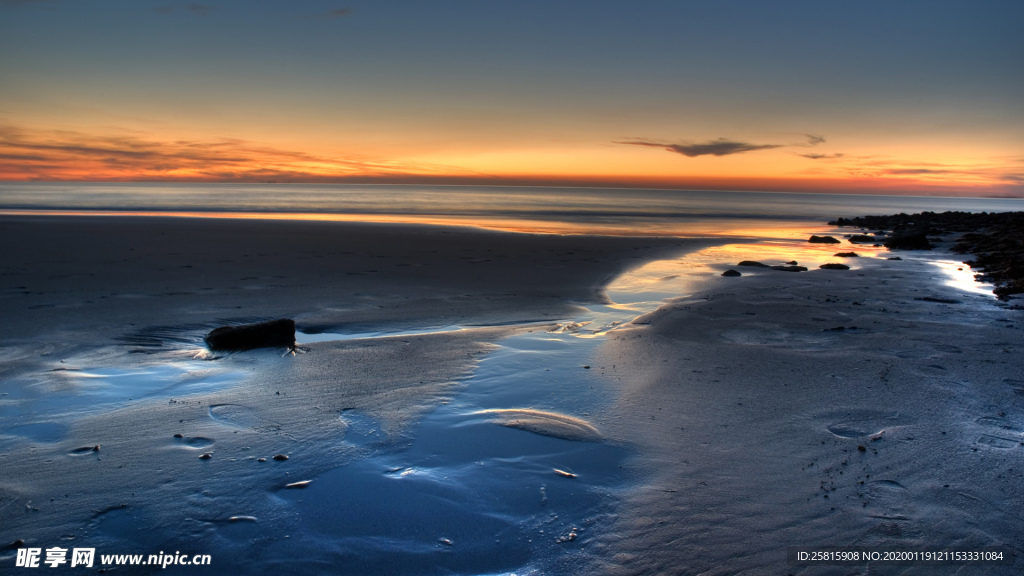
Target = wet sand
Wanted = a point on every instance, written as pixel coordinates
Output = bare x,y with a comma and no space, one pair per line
102,346
878,406
731,429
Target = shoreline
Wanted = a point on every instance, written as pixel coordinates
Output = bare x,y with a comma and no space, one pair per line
103,348
711,359
877,406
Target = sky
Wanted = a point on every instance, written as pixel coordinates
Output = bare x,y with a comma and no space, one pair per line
915,96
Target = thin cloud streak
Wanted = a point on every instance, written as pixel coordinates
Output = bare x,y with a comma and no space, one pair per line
719,147
64,155
822,156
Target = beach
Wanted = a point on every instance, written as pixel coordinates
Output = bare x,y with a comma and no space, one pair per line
482,401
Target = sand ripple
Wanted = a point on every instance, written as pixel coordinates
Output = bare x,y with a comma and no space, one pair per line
547,423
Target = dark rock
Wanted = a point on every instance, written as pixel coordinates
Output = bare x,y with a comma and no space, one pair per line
249,336
790,268
894,258
823,240
791,263
752,263
910,241
863,239
847,255
731,273
833,266
280,457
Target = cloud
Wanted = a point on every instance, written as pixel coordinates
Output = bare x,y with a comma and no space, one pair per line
719,147
813,156
916,171
814,140
64,155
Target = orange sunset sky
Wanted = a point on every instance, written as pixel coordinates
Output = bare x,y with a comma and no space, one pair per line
911,97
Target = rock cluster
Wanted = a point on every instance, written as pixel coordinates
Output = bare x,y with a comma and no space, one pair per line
996,239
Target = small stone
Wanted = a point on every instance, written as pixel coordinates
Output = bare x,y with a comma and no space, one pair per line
179,436
587,366
894,258
823,240
261,459
206,456
834,266
280,457
861,448
731,273
847,255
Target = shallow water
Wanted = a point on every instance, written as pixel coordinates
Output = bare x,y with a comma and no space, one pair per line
464,494
469,496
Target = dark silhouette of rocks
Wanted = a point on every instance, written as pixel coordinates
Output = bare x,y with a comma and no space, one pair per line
249,336
847,255
790,268
823,240
995,239
731,273
862,239
910,241
834,266
753,264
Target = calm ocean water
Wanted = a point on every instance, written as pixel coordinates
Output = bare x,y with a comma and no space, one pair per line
536,209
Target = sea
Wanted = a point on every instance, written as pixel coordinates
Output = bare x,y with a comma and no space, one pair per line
554,210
